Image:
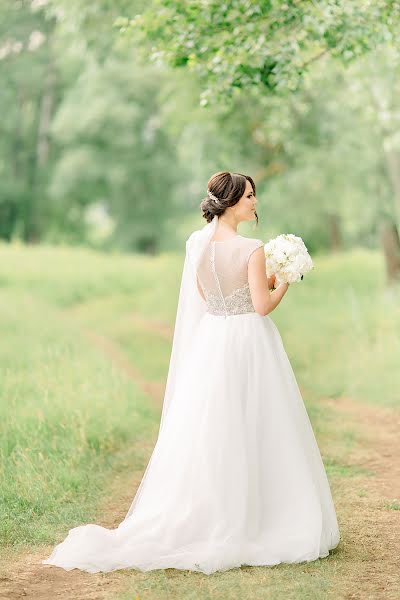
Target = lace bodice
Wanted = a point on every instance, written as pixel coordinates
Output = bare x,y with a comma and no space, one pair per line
222,275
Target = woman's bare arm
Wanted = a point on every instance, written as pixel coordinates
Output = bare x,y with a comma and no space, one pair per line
263,300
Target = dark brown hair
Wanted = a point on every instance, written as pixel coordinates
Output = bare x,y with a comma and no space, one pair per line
228,188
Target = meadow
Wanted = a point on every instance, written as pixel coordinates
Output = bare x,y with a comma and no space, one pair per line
74,419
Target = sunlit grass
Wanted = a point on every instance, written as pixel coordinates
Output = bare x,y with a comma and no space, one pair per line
67,277
340,326
292,582
67,419
341,329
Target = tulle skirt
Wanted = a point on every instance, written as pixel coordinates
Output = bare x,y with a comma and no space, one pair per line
235,477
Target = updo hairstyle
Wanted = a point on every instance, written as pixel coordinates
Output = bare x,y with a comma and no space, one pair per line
224,189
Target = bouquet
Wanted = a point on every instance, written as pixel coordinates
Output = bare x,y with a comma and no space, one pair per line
286,256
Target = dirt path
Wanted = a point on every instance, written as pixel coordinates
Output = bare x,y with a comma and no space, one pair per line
153,389
367,560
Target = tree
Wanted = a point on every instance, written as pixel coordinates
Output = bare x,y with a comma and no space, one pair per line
268,44
375,80
116,152
28,97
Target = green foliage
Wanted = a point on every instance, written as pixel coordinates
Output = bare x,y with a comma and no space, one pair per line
238,44
83,129
339,144
28,89
92,125
115,151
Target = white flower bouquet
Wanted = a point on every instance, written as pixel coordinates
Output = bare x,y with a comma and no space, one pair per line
287,257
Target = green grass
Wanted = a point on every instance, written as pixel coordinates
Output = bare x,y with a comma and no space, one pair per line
339,326
341,329
68,277
392,504
291,582
70,420
67,420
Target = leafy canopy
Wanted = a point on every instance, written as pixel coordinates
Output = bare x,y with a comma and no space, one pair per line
235,44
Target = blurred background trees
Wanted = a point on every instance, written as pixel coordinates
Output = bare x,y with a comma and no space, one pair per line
116,113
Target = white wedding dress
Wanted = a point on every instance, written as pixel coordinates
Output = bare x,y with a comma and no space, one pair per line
236,476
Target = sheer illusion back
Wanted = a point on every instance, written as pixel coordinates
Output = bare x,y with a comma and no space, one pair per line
223,275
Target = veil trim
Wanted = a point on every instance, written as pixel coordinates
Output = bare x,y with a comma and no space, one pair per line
190,308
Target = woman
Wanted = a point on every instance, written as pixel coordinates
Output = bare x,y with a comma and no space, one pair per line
236,476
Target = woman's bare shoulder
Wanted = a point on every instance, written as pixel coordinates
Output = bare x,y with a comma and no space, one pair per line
252,242
250,245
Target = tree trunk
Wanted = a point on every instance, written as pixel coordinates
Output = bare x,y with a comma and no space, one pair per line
393,164
46,110
32,232
335,238
390,241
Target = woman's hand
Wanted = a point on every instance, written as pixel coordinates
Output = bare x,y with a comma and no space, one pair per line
271,282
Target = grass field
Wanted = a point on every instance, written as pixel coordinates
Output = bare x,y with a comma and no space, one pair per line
71,420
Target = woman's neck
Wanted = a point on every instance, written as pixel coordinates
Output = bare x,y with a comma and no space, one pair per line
227,224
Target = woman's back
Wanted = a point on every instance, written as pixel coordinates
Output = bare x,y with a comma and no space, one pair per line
223,275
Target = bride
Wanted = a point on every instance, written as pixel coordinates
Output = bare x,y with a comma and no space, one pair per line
236,476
